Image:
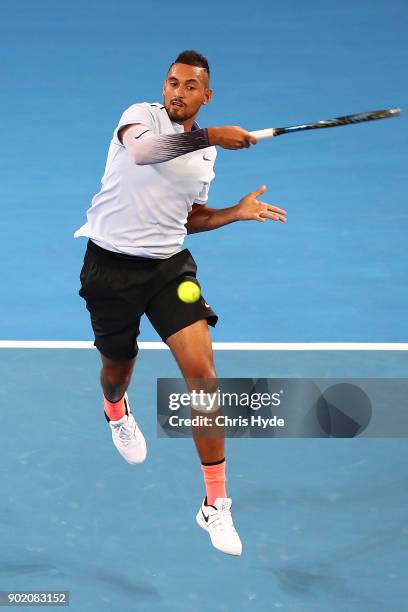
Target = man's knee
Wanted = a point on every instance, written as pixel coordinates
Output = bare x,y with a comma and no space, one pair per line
115,379
202,370
117,373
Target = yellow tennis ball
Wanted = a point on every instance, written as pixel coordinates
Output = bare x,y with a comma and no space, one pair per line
188,292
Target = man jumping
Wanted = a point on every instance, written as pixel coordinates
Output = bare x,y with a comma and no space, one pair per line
154,191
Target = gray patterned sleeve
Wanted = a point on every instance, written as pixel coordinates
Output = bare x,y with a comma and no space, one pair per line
146,147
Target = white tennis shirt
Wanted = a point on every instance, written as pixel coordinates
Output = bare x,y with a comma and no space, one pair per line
142,209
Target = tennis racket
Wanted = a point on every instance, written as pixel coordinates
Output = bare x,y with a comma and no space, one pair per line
346,120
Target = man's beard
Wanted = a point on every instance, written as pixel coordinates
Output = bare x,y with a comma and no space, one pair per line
178,116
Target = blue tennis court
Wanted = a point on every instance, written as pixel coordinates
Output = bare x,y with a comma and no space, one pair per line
324,522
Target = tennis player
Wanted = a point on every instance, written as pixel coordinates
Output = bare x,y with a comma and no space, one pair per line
154,190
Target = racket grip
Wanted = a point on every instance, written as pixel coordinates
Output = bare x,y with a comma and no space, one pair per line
261,134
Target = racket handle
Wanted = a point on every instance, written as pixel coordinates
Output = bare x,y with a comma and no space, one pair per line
261,134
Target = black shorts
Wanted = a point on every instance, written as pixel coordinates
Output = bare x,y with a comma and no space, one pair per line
119,289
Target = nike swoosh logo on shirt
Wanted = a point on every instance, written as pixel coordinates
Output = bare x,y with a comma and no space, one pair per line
145,132
206,158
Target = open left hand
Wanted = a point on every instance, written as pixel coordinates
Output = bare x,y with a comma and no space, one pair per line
250,208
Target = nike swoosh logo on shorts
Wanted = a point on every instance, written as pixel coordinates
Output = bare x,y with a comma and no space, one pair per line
206,305
206,158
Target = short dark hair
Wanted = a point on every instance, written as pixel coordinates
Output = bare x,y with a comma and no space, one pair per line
192,58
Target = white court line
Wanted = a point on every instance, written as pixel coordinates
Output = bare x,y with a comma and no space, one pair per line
220,346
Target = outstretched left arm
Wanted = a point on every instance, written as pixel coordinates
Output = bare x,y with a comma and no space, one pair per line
203,219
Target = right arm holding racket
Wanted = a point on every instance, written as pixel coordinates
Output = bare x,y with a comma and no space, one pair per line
145,147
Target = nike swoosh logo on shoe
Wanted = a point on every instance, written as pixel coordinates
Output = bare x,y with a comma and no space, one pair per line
205,517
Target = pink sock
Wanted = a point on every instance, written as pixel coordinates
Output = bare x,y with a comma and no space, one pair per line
114,410
214,478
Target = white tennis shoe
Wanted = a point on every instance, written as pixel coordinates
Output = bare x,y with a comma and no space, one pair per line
128,438
216,520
